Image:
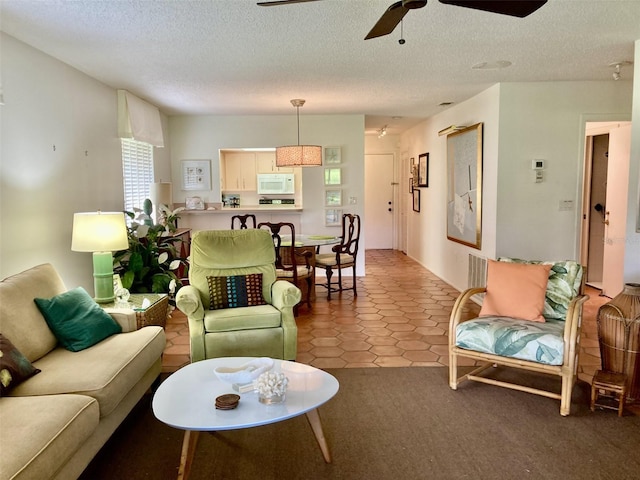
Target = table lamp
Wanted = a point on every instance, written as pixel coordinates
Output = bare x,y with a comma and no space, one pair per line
161,194
100,233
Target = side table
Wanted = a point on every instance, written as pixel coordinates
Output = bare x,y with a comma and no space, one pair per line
153,314
611,383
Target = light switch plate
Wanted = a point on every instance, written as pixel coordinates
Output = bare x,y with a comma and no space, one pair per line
539,176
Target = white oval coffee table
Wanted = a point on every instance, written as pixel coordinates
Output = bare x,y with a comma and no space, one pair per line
186,400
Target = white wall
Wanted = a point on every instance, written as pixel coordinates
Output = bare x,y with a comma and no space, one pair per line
427,230
60,154
201,137
48,103
546,121
632,245
522,121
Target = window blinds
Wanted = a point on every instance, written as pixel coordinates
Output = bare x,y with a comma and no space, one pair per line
137,172
139,120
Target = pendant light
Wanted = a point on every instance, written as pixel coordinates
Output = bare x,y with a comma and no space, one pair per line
298,155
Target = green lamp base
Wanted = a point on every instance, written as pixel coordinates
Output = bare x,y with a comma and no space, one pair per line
103,277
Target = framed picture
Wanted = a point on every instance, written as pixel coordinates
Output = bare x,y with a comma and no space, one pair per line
332,155
410,184
416,200
423,170
333,217
333,198
414,177
196,175
464,195
332,176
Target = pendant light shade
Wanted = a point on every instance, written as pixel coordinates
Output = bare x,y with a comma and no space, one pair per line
298,155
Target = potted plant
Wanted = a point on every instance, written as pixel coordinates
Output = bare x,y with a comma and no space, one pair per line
150,263
170,217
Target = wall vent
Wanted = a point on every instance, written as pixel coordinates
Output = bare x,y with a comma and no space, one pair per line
477,271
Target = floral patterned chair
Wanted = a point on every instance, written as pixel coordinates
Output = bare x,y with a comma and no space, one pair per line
548,342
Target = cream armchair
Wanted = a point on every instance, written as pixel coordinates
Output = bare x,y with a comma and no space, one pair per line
258,330
550,344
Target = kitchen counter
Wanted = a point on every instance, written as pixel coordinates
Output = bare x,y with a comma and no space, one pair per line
220,219
246,209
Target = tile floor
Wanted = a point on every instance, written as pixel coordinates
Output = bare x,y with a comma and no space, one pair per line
399,318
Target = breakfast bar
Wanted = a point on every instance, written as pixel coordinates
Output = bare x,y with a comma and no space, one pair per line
220,218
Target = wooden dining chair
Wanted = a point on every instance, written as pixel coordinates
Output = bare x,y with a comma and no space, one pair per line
343,255
242,221
292,264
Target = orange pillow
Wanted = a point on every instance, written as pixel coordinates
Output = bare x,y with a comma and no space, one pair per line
515,290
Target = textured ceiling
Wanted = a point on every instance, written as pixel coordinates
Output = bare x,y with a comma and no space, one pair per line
234,57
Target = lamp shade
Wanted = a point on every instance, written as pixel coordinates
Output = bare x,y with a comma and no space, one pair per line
162,194
99,232
299,156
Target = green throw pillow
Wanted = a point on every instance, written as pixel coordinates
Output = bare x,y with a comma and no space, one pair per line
14,367
235,291
76,320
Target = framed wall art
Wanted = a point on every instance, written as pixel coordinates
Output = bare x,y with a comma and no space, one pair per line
416,200
196,175
332,176
332,155
464,193
423,170
333,217
333,198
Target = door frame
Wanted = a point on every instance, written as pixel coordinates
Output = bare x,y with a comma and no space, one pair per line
584,212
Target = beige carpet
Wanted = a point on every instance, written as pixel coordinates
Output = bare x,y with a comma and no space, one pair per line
397,423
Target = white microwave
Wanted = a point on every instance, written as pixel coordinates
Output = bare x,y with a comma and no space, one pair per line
276,183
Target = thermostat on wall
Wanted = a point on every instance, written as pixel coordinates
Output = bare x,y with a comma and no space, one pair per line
537,164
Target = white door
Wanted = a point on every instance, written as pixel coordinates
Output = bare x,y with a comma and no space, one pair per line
379,200
403,205
616,210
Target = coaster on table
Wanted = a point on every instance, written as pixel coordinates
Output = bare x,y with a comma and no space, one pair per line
228,401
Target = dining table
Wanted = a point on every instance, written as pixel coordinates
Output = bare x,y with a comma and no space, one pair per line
303,240
310,243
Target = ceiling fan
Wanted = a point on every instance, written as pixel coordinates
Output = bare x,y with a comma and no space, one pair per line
396,12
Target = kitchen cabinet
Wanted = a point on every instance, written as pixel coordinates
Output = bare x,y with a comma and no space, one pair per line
266,163
239,172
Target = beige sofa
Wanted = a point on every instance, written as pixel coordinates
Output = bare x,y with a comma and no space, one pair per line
52,424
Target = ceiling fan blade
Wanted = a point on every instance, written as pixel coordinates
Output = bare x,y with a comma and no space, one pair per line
283,2
514,8
388,21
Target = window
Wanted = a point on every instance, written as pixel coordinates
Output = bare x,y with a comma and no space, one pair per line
137,172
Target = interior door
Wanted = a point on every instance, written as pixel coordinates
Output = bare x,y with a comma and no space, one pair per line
379,200
616,210
404,202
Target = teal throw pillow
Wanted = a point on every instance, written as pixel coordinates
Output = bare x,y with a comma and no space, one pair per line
14,366
76,320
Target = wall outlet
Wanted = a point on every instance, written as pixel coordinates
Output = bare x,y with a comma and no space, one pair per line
353,200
